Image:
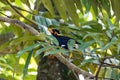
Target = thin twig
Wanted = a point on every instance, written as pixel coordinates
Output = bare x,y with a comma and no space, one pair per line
102,62
19,12
23,10
99,68
111,65
4,14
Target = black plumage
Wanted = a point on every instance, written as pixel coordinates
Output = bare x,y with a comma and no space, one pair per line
63,40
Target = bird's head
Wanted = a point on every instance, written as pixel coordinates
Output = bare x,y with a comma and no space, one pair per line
54,31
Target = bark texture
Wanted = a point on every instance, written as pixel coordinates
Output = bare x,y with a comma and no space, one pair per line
48,69
53,69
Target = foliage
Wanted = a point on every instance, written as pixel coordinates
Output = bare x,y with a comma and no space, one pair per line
92,23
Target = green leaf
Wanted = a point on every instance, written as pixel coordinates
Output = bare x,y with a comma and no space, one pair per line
79,5
38,2
17,30
48,5
71,44
109,33
113,74
61,8
55,22
26,2
111,26
43,23
113,41
27,64
2,5
116,8
93,35
94,26
2,59
87,61
29,48
27,38
106,5
87,4
95,7
5,45
85,45
54,40
12,0
118,48
108,72
55,51
3,2
64,51
72,11
43,49
102,71
6,66
118,76
18,3
41,20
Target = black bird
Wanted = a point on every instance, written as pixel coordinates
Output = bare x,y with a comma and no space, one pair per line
63,40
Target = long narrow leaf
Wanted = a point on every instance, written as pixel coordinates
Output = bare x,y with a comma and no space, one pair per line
85,45
72,11
87,4
113,41
91,60
116,8
52,52
106,5
6,65
29,48
61,8
95,7
48,5
118,48
43,49
27,64
53,39
79,5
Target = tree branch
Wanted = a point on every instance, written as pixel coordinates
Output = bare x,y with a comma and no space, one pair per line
20,24
99,68
58,56
72,66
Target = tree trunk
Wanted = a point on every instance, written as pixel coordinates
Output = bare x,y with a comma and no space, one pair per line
52,69
48,69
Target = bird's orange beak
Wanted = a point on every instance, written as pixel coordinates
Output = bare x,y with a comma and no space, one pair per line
53,32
